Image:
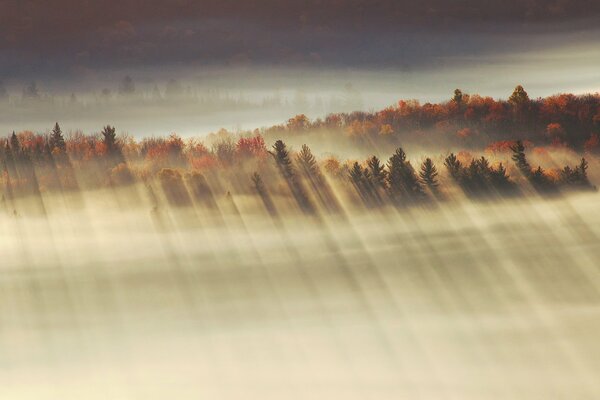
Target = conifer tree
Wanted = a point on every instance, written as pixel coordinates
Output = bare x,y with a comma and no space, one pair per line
520,159
402,179
377,172
307,162
429,174
56,139
453,165
15,146
282,158
109,138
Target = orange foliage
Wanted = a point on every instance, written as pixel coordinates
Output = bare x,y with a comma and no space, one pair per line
204,162
251,147
500,147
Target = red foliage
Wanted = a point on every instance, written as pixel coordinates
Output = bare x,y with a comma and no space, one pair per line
499,147
251,147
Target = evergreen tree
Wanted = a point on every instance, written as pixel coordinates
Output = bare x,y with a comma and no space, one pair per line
356,175
520,159
282,158
499,178
109,138
377,172
307,162
582,168
429,174
402,179
458,96
15,146
56,139
453,166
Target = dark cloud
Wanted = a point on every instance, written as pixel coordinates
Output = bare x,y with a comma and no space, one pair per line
59,36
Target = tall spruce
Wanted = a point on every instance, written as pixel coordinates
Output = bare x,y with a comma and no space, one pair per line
56,140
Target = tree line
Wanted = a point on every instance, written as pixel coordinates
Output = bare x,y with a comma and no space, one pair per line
191,172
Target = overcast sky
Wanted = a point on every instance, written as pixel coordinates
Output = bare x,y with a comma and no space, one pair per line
61,38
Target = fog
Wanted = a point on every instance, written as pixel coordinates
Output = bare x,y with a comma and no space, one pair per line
197,97
107,296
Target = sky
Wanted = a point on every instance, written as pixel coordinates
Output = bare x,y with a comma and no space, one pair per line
384,49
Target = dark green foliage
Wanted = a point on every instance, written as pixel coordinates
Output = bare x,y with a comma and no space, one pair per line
109,138
453,165
307,161
284,163
362,180
458,96
520,159
310,170
15,146
377,172
538,178
429,174
282,158
56,139
403,183
479,178
575,176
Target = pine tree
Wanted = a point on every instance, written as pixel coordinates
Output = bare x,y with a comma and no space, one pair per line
356,175
453,166
582,168
307,161
429,174
402,179
499,178
56,139
110,139
282,158
520,159
377,172
15,146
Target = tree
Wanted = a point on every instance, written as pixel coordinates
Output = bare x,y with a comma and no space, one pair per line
356,175
109,138
582,168
520,159
453,166
458,96
499,178
429,174
402,179
15,145
282,158
519,97
56,139
307,161
377,172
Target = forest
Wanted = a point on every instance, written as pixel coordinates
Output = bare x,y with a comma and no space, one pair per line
495,142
